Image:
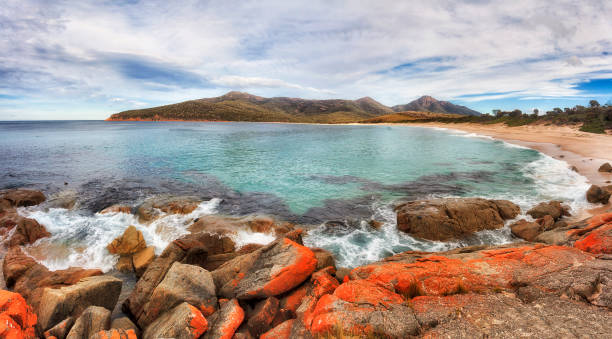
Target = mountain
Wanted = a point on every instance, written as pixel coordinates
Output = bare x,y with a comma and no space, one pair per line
408,116
429,104
239,106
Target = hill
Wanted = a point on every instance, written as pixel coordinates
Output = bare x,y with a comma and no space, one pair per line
429,104
239,106
409,116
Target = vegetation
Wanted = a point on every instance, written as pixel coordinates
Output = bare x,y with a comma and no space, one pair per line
595,118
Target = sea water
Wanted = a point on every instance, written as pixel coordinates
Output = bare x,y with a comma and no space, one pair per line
306,174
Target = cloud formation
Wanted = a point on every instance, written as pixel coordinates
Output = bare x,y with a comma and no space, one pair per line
103,56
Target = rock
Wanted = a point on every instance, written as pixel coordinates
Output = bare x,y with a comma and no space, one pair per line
124,323
261,318
175,251
272,270
526,229
342,272
282,331
224,323
606,167
596,194
553,208
58,304
60,331
130,242
17,320
151,208
597,237
66,199
575,169
453,218
182,283
324,258
23,197
361,308
26,230
117,209
115,334
94,319
375,224
124,264
142,259
224,225
182,322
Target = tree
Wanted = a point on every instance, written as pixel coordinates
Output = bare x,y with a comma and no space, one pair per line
536,111
594,103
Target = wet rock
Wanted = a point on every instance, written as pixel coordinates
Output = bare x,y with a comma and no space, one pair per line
153,207
553,208
93,319
23,197
124,264
453,218
64,199
224,323
115,334
26,230
182,283
224,225
142,259
527,230
60,331
124,323
596,194
182,322
324,258
261,318
272,270
117,209
175,251
17,320
130,242
605,167
70,301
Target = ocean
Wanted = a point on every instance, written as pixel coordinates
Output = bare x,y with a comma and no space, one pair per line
305,174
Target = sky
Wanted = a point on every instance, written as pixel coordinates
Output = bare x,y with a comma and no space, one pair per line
88,59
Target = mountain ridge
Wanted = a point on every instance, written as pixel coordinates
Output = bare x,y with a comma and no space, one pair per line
427,103
242,106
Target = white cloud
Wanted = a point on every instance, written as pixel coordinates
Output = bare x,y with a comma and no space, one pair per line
314,49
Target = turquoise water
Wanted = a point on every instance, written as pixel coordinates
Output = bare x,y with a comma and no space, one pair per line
308,174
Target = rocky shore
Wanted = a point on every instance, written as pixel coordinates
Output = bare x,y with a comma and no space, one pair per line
554,281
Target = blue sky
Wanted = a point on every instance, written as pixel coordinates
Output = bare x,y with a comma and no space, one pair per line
88,59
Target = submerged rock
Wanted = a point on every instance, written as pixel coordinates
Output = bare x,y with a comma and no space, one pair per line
117,209
152,208
453,218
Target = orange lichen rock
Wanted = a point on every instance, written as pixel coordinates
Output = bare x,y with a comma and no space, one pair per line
475,271
225,322
279,268
282,331
597,236
16,318
115,334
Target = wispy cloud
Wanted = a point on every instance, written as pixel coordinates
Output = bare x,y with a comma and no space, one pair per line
86,53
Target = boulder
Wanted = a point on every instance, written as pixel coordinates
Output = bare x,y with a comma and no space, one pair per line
66,199
153,207
17,320
530,230
282,331
596,194
605,167
324,258
597,236
130,242
224,323
117,209
124,264
93,319
182,322
115,334
125,324
60,331
272,270
228,225
453,218
70,301
262,317
553,208
26,230
175,251
182,283
142,259
23,197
